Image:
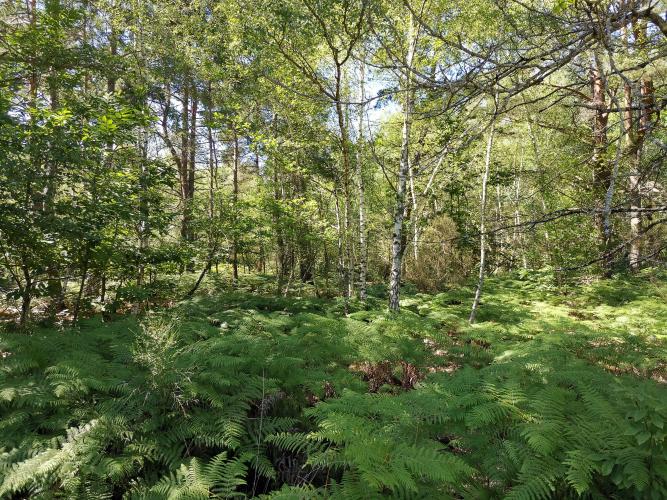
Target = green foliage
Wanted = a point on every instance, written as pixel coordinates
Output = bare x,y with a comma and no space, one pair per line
239,394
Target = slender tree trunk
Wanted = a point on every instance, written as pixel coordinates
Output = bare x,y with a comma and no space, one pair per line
415,215
143,229
207,267
482,225
194,288
113,51
601,171
363,248
637,129
606,211
350,256
340,242
184,170
345,152
500,237
536,153
192,147
235,195
397,246
32,83
191,166
84,276
632,151
212,171
26,298
278,197
55,288
518,238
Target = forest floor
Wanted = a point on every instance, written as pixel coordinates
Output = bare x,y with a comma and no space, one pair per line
368,383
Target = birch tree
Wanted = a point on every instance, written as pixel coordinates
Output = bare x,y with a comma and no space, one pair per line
397,247
482,214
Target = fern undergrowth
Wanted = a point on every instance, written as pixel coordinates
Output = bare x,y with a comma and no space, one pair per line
557,392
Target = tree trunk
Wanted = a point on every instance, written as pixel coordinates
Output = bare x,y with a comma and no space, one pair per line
84,276
415,219
192,149
633,187
278,197
363,248
518,237
113,51
482,225
344,229
538,164
33,74
143,229
499,239
235,198
55,289
185,120
601,170
26,298
641,126
397,247
340,244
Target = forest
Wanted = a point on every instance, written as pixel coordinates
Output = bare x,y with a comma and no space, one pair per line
346,249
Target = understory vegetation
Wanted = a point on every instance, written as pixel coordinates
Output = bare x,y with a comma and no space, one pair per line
557,391
347,249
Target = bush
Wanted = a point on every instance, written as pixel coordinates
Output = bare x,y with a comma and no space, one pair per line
440,263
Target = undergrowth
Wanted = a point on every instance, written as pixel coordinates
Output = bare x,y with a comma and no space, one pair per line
556,392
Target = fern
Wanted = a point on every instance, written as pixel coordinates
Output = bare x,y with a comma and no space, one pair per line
180,409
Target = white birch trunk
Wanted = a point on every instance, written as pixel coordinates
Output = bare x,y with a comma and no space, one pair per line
482,226
363,248
404,167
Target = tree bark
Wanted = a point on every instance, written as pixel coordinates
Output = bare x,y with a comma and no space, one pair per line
183,167
235,199
84,276
601,171
26,297
363,248
397,246
345,152
482,225
55,288
340,244
633,179
143,229
113,51
636,131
